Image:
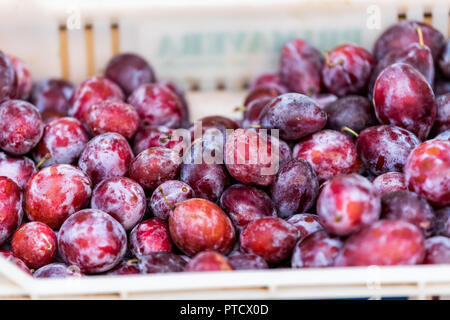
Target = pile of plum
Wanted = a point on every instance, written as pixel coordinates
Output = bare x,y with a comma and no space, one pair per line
95,179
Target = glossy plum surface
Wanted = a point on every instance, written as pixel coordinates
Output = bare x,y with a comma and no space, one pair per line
347,70
270,238
52,95
35,244
106,156
295,115
198,224
300,65
426,171
11,212
122,198
167,195
347,203
403,34
129,71
354,112
149,236
295,188
56,192
408,206
402,96
385,148
112,116
92,240
154,166
385,242
62,142
245,203
329,153
19,169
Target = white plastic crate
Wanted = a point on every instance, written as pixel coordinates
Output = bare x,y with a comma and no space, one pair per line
212,49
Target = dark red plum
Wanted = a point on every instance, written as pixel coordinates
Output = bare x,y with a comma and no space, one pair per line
185,113
385,242
268,79
8,255
210,125
112,116
129,71
161,262
295,188
122,198
126,267
149,236
62,142
18,169
91,91
329,153
404,33
252,112
24,78
347,70
35,244
247,261
442,122
389,182
441,87
417,55
402,97
154,166
444,61
347,203
408,206
437,250
157,105
262,92
354,112
306,223
318,250
8,80
106,156
245,203
52,95
207,180
324,99
251,157
159,136
21,127
427,171
300,65
57,270
198,224
208,261
11,212
56,192
295,115
167,195
385,148
270,238
92,240
442,226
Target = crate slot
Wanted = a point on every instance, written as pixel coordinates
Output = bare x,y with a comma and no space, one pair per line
115,38
428,18
90,50
401,16
64,52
